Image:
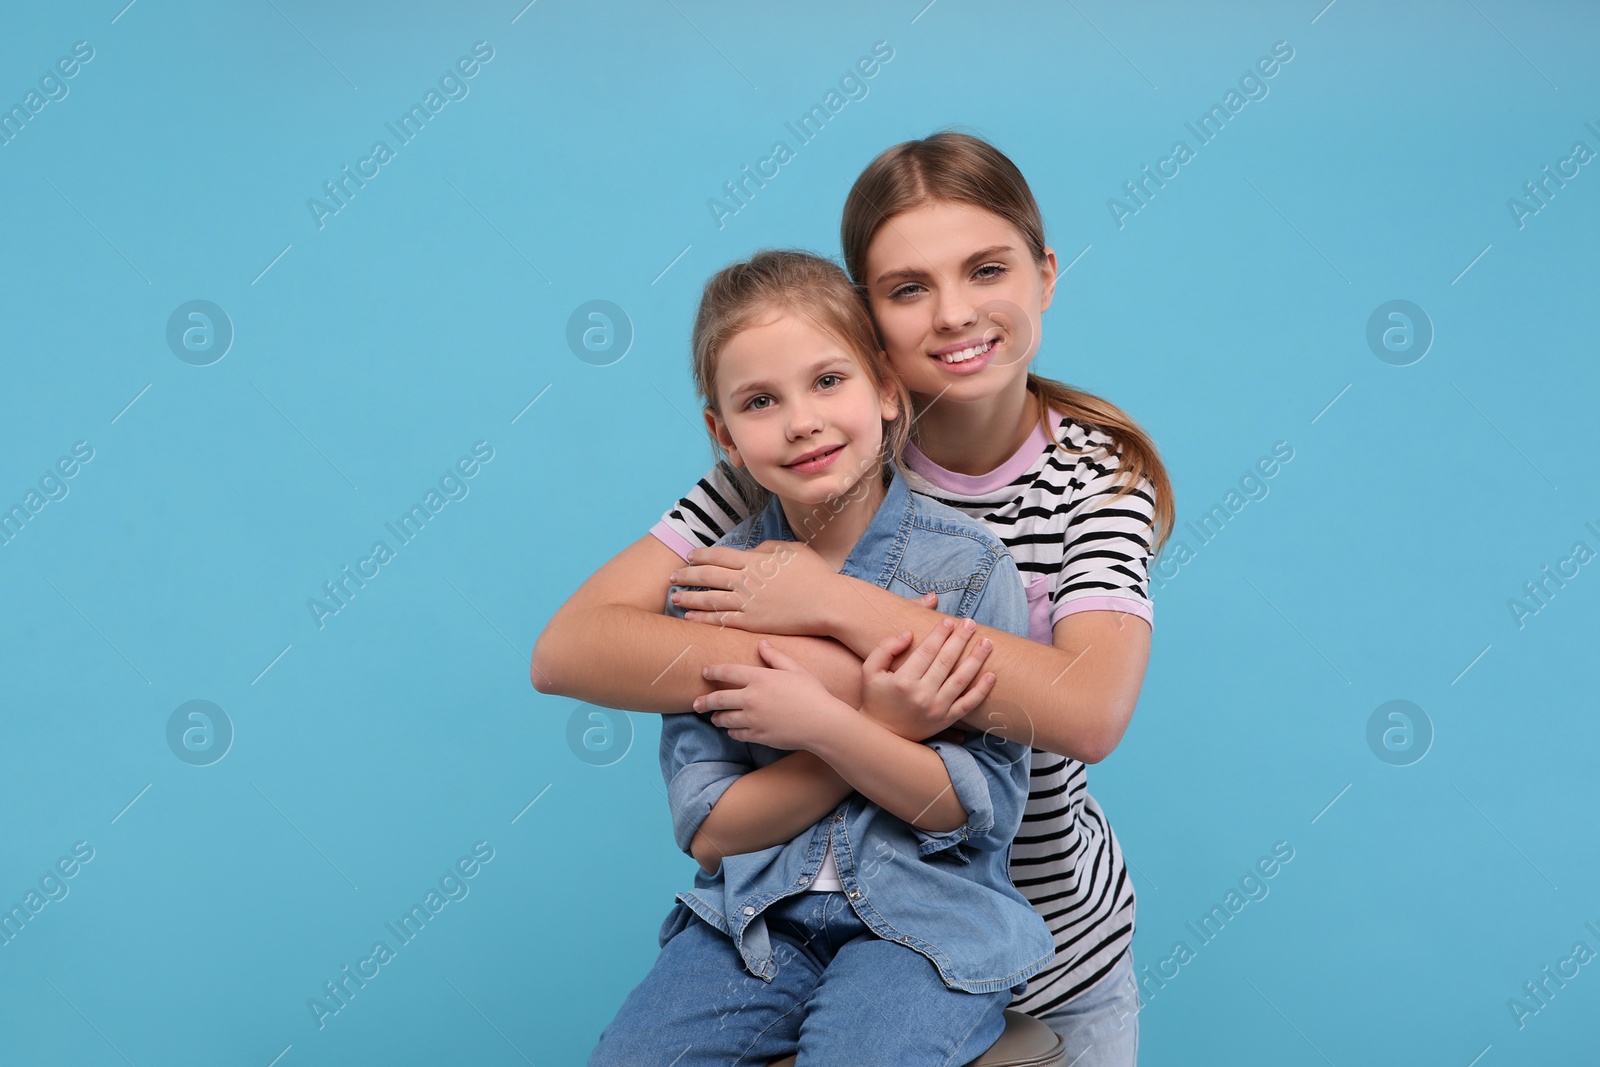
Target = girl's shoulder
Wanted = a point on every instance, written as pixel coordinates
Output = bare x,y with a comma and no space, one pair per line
748,533
941,520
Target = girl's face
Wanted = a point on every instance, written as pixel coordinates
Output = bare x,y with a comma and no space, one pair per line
798,410
958,298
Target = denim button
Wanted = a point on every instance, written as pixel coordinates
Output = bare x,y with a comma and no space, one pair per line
748,910
855,894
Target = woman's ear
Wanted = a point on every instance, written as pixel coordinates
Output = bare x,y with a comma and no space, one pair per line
720,434
1048,270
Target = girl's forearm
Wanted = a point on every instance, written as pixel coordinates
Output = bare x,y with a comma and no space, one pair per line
775,804
767,807
905,778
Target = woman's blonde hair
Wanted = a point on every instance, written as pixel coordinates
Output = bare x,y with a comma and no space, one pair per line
964,169
776,282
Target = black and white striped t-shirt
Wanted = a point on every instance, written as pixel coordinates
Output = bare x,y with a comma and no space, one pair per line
1077,550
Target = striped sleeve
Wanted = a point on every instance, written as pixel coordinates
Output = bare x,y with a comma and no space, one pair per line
704,516
1107,554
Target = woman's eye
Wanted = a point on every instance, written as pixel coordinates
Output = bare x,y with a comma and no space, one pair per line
991,270
909,289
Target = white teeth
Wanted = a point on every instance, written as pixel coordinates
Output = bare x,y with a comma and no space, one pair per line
967,353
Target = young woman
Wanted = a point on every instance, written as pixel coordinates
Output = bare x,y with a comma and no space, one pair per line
800,945
946,242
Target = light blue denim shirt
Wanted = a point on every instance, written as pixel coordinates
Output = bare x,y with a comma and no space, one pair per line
947,895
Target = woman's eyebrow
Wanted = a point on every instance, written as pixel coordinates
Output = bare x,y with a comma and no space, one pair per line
910,273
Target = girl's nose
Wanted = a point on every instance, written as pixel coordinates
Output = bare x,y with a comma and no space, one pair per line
804,419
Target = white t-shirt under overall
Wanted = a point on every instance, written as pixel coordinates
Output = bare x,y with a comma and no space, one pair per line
1077,550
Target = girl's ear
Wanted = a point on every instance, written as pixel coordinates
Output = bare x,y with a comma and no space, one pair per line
889,396
1049,271
719,434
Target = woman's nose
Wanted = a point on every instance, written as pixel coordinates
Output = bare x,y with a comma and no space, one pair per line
954,311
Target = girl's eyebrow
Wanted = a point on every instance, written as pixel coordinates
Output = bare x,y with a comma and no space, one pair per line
815,369
910,273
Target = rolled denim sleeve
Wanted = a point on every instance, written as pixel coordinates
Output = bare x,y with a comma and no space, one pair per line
699,762
990,778
990,775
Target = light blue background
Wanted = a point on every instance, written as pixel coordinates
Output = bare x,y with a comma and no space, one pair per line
427,315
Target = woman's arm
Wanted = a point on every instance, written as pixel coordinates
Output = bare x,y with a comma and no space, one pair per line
610,644
1074,697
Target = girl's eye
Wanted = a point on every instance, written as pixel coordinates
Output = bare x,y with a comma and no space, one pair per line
755,403
826,378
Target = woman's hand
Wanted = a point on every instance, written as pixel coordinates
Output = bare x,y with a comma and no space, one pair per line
934,688
781,706
778,587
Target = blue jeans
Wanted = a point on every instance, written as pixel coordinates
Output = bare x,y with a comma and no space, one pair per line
842,995
1101,1024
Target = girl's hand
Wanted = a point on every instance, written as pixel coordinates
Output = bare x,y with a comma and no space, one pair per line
778,587
781,707
934,688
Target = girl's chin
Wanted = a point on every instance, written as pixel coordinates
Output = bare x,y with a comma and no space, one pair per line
819,494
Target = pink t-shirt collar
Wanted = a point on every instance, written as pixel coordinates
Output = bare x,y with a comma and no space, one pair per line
983,484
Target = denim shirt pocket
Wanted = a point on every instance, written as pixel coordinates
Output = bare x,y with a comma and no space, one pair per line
956,592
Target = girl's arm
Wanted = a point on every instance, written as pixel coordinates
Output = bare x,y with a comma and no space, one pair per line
758,813
762,809
908,779
784,707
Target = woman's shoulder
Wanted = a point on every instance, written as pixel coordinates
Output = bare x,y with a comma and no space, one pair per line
1080,444
1087,460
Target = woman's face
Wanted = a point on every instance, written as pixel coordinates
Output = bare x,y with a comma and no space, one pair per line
957,298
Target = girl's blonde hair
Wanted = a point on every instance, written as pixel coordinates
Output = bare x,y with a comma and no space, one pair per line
958,167
776,282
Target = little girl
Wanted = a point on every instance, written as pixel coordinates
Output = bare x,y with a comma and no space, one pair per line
887,932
